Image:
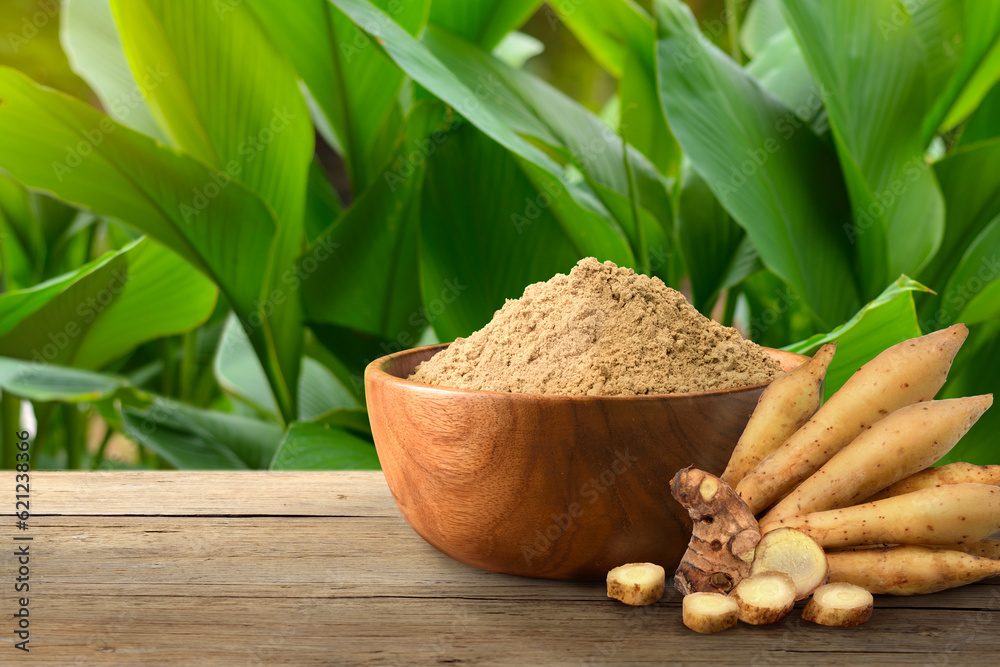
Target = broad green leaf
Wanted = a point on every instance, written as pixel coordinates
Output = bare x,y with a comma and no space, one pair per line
777,180
984,123
716,250
939,25
317,447
975,372
875,88
352,419
43,382
384,222
763,22
968,179
323,205
774,313
90,38
472,257
973,291
484,22
466,85
609,30
258,132
975,53
58,144
22,240
105,310
193,439
518,48
21,303
889,319
351,81
622,37
781,70
533,108
239,374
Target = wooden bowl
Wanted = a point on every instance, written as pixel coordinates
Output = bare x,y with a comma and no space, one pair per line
561,487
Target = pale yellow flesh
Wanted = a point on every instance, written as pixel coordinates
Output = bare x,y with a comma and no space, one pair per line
765,597
839,605
636,583
794,553
709,613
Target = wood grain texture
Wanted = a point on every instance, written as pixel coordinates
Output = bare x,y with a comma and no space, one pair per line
561,487
232,585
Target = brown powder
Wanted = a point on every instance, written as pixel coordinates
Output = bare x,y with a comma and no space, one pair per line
601,331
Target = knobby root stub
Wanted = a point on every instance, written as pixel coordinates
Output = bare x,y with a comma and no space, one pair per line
724,536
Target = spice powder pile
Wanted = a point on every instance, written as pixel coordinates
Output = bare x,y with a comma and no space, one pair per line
599,331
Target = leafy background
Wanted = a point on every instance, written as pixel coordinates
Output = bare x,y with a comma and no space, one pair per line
213,215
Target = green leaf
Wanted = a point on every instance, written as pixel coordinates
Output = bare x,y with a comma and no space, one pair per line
622,38
774,313
258,133
716,250
94,49
776,179
22,240
239,374
874,81
984,123
318,447
975,54
128,176
969,183
781,70
106,309
384,222
535,109
973,291
472,78
354,84
484,22
889,319
353,419
323,205
193,439
762,23
609,30
472,258
45,382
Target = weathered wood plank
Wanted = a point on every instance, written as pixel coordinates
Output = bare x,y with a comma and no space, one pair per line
305,556
115,629
246,493
319,568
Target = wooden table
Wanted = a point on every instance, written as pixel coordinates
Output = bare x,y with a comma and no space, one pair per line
263,568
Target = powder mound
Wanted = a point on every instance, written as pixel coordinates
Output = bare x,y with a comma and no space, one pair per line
599,331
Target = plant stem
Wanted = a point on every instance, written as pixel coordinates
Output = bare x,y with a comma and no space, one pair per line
189,365
74,423
733,23
10,415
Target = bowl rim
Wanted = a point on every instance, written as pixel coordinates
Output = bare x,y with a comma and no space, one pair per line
377,368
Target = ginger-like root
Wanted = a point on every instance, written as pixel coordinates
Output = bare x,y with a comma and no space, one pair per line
725,534
764,598
839,605
909,570
709,613
794,553
636,584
